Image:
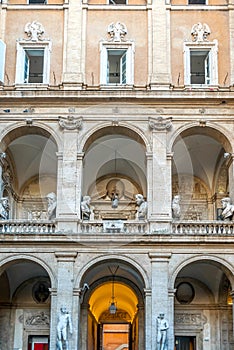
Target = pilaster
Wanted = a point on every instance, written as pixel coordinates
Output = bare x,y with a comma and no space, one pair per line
53,318
148,319
160,297
65,273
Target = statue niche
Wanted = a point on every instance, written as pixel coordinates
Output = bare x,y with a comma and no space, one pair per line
113,198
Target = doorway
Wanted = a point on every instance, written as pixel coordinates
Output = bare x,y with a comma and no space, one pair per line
115,336
185,343
38,343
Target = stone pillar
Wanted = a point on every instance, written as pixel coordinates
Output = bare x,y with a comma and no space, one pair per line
67,214
230,165
170,317
141,344
232,295
65,275
159,42
79,174
84,334
53,318
76,317
73,40
160,213
148,320
160,296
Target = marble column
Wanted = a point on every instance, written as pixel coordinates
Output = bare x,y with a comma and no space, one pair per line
160,296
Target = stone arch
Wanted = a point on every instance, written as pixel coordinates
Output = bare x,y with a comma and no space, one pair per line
18,129
122,128
14,258
227,268
213,130
102,259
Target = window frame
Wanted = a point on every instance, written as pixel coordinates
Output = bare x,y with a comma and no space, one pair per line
128,47
212,47
22,47
205,3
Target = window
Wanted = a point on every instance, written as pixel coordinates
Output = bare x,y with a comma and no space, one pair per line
197,2
2,61
117,64
36,2
117,2
33,63
201,64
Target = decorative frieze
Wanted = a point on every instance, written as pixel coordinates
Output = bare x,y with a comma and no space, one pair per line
160,123
190,319
34,31
200,32
117,31
70,122
38,319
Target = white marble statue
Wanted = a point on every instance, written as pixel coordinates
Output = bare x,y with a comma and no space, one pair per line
51,205
162,327
228,209
4,208
176,207
86,209
141,213
64,322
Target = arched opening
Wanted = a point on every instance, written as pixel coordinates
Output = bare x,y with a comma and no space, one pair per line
114,172
203,307
113,309
200,172
24,306
28,173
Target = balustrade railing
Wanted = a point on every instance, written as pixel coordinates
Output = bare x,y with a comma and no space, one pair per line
203,228
26,226
125,227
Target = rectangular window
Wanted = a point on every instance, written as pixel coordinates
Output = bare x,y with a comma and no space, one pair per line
36,2
2,61
33,66
116,67
200,67
197,2
117,2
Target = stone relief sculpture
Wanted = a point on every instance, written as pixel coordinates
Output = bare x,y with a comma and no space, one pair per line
64,322
117,31
228,209
162,327
86,209
176,207
141,213
200,32
70,122
51,205
34,30
4,208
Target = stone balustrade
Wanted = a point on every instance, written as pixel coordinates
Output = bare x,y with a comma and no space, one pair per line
221,228
206,228
27,227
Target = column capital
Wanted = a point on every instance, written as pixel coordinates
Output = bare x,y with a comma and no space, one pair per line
59,155
66,256
159,257
53,292
148,292
80,156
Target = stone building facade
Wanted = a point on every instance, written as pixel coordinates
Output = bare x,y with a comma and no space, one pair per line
102,101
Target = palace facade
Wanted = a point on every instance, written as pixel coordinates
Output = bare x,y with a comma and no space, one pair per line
102,100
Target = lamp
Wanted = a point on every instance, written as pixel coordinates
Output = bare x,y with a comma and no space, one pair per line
113,307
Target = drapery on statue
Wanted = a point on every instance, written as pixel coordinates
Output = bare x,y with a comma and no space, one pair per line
64,322
141,213
162,327
51,205
4,208
176,207
86,209
228,209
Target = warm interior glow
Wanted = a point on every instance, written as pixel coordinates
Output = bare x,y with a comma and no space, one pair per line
125,299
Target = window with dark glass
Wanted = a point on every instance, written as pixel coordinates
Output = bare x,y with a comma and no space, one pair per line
33,66
200,67
116,66
197,2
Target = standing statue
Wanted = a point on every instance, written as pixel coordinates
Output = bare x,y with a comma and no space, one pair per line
64,321
176,207
115,200
162,327
141,213
4,208
51,203
228,209
86,209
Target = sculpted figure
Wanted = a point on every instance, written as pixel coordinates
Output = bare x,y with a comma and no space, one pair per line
4,209
86,209
141,213
52,203
228,209
162,327
64,322
176,207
